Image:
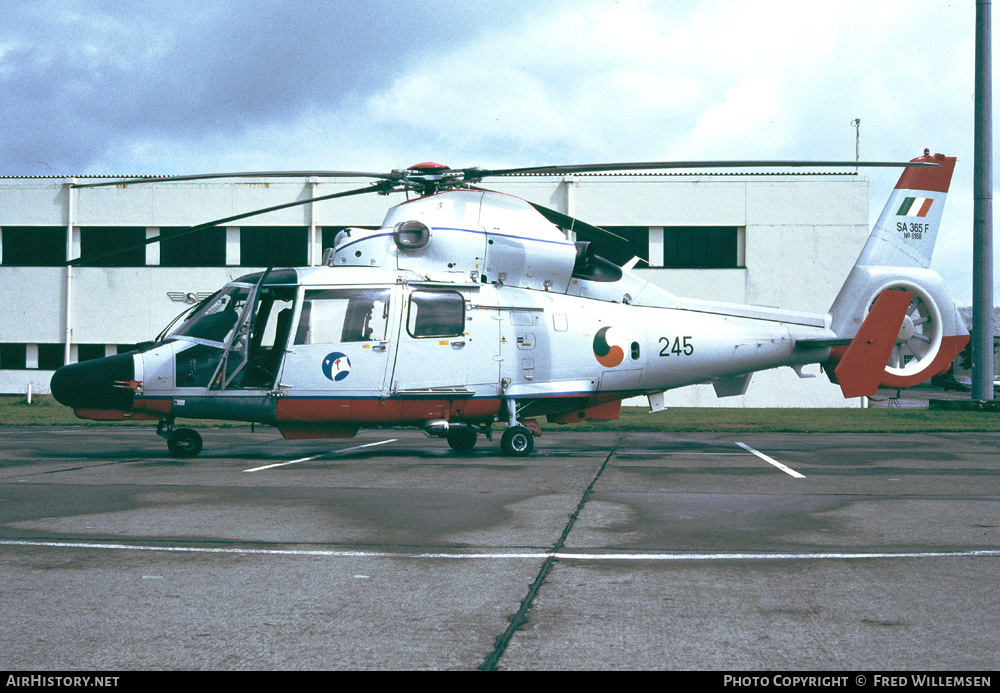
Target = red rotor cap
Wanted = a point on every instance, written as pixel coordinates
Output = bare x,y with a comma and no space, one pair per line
428,166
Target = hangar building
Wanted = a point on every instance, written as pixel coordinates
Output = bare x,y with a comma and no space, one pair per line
764,238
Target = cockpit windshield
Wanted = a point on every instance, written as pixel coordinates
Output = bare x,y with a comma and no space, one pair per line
215,318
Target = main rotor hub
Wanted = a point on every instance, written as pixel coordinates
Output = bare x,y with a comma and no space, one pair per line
428,167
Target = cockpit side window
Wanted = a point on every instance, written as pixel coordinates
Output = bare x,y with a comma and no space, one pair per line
343,315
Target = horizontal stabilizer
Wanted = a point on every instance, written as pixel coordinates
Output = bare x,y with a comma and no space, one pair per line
860,370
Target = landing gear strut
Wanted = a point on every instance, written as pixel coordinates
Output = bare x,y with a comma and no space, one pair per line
182,442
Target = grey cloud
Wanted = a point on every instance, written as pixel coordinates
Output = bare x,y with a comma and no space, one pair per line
78,76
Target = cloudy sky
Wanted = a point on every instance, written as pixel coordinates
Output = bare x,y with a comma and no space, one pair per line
181,86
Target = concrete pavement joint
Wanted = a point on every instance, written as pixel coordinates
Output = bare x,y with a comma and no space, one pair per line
518,620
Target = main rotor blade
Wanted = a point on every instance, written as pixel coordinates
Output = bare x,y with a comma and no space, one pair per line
658,165
380,187
259,174
581,228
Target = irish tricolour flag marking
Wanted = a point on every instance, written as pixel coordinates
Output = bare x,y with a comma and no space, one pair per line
915,207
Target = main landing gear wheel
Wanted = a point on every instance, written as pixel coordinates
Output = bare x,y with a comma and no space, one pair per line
517,441
462,439
184,442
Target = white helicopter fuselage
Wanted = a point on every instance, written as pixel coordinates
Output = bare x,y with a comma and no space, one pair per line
469,307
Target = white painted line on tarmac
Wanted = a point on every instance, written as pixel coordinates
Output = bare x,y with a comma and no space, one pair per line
535,555
325,454
654,453
786,470
282,464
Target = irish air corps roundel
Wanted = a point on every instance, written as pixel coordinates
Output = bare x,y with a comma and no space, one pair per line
607,347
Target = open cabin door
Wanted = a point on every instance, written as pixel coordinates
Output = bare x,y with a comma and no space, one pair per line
254,358
236,339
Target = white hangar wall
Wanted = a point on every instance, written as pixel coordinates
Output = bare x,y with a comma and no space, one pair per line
791,243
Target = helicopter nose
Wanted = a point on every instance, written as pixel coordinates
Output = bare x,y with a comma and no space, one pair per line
97,384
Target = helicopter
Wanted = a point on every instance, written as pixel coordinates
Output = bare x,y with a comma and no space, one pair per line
469,307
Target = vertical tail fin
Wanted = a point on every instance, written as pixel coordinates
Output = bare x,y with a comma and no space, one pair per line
906,231
897,256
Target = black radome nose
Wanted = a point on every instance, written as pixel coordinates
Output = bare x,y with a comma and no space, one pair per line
96,384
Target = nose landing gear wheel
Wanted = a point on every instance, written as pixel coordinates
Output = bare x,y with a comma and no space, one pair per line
184,442
517,441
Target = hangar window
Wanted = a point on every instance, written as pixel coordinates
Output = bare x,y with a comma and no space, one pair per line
33,246
203,248
113,247
13,357
436,314
274,246
89,352
19,357
51,356
701,247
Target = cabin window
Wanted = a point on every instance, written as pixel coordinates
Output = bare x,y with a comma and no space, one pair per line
436,314
343,315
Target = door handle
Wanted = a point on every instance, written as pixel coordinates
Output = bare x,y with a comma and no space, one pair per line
458,344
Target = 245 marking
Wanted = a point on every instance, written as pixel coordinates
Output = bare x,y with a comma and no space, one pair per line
679,347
